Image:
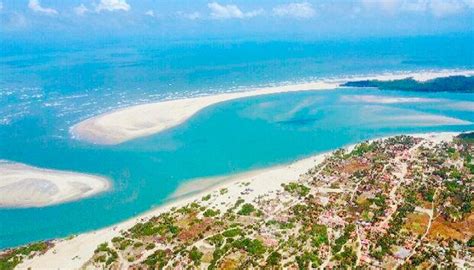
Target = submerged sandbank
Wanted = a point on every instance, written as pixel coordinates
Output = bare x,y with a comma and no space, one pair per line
143,120
387,99
26,186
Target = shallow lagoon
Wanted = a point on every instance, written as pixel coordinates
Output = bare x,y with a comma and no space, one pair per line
227,138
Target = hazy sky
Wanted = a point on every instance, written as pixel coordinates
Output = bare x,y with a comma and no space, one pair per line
233,19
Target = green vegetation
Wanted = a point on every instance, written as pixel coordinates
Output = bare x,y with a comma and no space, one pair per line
427,193
308,260
274,259
319,235
445,84
211,213
467,141
460,197
253,247
150,228
13,257
157,260
361,149
303,230
232,232
246,209
347,257
295,188
216,240
105,254
150,246
281,225
385,242
470,242
195,255
467,137
341,240
124,244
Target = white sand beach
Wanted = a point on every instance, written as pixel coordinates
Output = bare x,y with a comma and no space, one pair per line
198,185
74,252
26,186
143,120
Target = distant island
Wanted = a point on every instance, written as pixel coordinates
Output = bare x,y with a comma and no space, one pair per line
467,136
402,202
464,84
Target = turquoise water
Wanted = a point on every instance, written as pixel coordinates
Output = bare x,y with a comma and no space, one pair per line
45,90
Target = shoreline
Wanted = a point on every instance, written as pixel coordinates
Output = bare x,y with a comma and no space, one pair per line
121,125
72,253
25,186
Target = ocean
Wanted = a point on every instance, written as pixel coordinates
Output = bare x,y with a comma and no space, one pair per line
47,87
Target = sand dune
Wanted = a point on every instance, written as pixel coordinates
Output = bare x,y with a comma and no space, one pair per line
143,120
25,186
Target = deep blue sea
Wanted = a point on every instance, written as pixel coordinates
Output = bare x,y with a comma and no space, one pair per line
47,87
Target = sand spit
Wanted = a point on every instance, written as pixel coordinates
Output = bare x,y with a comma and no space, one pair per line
143,120
25,186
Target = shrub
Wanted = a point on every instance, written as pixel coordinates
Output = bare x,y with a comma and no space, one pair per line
297,189
308,259
211,213
232,232
274,259
319,235
150,246
246,209
470,242
217,240
195,255
253,247
158,259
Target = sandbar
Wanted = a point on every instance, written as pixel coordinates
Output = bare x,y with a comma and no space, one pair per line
137,121
26,186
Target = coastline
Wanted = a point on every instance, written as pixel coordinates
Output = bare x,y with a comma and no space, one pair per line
137,121
72,253
27,186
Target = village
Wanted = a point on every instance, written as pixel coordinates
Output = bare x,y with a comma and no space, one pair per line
395,203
